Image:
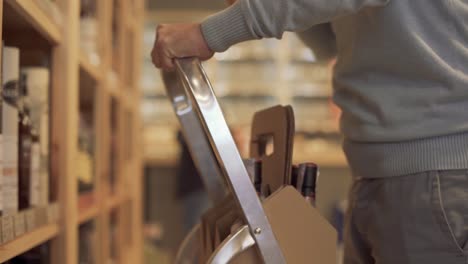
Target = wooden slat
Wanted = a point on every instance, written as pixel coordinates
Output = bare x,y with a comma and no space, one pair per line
136,173
37,18
103,171
28,241
64,133
137,164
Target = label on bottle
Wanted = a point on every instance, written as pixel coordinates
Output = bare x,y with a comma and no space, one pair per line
10,158
7,229
30,219
35,174
20,224
10,175
52,213
44,187
41,216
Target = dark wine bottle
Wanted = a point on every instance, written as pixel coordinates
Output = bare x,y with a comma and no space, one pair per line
24,149
307,181
258,177
294,172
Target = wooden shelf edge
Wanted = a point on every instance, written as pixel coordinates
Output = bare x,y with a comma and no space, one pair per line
38,19
87,214
87,207
28,241
90,69
115,201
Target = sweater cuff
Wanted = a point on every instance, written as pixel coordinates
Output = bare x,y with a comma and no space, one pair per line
226,28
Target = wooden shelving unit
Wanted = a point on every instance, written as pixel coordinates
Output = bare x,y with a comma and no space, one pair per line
53,28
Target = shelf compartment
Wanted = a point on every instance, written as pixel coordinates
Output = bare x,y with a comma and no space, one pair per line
20,15
28,241
87,152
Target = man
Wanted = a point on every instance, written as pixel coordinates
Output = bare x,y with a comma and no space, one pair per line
401,80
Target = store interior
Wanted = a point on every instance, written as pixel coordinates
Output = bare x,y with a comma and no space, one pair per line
93,158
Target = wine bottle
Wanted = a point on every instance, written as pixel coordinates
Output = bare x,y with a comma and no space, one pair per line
25,131
307,181
258,176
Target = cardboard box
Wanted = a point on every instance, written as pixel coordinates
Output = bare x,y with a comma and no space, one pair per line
304,236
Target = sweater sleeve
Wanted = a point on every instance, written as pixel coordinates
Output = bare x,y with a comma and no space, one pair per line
255,19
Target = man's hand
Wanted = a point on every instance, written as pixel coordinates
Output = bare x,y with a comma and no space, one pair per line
178,41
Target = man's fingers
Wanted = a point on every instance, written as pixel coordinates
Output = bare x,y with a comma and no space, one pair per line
154,51
178,41
167,63
155,58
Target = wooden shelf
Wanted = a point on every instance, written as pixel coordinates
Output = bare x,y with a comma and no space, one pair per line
93,71
23,14
87,213
28,241
87,207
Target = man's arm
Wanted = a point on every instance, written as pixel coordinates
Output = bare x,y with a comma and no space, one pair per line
255,19
247,20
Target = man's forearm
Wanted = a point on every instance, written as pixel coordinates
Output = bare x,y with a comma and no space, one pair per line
255,19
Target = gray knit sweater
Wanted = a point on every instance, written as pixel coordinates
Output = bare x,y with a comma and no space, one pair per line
401,77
